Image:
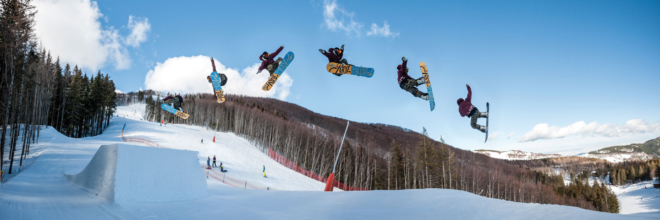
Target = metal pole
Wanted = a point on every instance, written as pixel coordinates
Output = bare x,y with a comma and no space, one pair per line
342,144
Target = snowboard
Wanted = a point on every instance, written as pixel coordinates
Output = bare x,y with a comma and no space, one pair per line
217,89
425,73
333,67
172,110
487,112
280,69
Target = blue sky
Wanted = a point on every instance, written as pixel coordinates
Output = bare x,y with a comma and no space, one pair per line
554,62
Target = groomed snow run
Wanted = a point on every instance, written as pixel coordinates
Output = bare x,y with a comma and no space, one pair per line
42,191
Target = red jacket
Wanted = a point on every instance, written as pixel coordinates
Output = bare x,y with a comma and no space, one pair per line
403,74
265,62
465,107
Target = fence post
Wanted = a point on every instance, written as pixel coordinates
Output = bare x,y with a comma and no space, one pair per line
223,177
245,187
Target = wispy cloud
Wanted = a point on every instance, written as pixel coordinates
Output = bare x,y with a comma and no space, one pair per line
139,28
493,135
510,135
381,31
593,129
337,18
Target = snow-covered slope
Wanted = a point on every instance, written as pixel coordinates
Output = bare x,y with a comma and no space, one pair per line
620,157
638,198
42,190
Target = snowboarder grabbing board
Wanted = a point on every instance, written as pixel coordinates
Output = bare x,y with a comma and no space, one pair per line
465,108
408,83
337,65
281,66
427,80
173,105
217,80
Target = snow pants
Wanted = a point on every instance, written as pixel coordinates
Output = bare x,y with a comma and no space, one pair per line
176,101
410,85
475,116
273,66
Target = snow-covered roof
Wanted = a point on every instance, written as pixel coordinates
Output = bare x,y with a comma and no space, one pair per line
656,180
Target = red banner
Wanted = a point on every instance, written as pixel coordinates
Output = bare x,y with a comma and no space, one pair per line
291,165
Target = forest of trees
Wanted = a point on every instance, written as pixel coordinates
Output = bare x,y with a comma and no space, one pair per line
634,171
35,90
408,160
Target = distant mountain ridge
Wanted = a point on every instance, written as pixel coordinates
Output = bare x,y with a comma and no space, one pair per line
651,148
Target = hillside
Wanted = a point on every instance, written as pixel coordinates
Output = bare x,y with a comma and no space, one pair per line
42,189
650,148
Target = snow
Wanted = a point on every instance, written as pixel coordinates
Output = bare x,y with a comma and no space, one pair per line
132,174
636,198
515,155
43,190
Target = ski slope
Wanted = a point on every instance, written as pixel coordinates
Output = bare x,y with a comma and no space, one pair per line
43,189
638,198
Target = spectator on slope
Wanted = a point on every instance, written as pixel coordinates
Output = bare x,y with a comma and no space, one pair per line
267,61
408,83
335,55
265,171
208,163
222,169
174,101
214,165
465,108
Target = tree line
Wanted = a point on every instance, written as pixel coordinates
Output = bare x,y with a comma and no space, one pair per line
35,90
312,140
634,171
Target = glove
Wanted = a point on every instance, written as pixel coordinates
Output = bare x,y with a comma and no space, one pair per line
322,51
342,47
282,46
258,71
404,59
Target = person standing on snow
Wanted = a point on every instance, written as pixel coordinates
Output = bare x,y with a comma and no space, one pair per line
267,61
335,55
465,108
408,83
214,165
264,170
174,101
223,77
208,163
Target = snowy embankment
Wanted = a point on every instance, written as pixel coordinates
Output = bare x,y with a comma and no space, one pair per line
638,198
43,190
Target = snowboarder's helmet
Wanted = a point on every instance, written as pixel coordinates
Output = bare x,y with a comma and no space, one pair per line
459,101
208,78
398,67
265,54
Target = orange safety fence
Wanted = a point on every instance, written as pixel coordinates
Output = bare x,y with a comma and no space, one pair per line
291,165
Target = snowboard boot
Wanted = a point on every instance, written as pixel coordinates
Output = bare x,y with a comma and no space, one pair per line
483,129
483,115
420,81
425,96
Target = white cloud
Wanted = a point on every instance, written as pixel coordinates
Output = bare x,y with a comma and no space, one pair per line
493,135
510,135
338,19
381,31
71,30
139,28
188,75
593,129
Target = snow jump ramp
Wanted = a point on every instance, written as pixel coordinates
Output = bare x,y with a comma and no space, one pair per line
127,174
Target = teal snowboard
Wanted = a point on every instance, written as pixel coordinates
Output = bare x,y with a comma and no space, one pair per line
280,69
488,113
427,80
172,110
217,89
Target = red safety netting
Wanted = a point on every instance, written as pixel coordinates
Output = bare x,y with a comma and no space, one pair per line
291,165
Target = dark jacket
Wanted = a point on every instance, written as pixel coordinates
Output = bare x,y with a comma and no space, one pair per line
265,62
332,56
465,107
177,96
403,74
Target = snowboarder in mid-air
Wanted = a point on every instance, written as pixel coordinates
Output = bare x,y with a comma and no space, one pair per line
268,62
174,101
408,83
335,55
466,108
223,77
